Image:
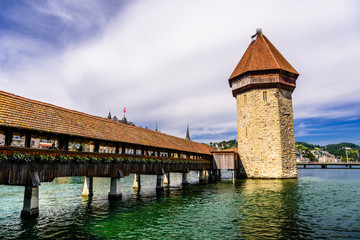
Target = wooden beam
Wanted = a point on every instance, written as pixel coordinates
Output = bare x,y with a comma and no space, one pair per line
117,147
28,140
8,137
63,143
96,146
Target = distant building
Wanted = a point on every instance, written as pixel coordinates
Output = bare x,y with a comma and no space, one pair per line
123,120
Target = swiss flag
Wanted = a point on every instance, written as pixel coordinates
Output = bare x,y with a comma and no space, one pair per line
124,110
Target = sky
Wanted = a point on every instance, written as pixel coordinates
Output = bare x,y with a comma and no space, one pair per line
169,61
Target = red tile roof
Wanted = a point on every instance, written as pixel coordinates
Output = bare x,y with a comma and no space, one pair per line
22,113
261,55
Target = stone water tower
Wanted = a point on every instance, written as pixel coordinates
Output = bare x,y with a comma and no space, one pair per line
262,83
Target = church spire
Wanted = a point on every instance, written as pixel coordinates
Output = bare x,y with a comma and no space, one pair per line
187,133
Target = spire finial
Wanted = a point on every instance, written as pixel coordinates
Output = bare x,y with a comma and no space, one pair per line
156,129
187,132
258,32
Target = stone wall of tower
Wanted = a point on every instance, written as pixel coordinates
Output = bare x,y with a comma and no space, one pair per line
266,133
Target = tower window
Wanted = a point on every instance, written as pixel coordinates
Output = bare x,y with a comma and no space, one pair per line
265,96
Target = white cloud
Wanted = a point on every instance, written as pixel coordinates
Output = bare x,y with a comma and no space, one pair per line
168,61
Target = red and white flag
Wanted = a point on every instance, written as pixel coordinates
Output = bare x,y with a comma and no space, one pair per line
124,109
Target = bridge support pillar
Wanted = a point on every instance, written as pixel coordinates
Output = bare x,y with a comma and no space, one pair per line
137,181
167,179
211,175
115,190
31,202
216,174
159,182
88,186
185,179
201,176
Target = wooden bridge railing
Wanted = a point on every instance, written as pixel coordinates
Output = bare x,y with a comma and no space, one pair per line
19,164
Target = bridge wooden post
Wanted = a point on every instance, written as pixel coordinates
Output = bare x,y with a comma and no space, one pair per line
142,151
137,181
31,202
211,175
167,179
201,176
185,179
8,137
123,148
206,174
63,143
117,148
160,182
216,174
88,186
28,140
96,146
115,190
31,197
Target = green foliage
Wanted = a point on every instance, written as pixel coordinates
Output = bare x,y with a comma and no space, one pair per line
64,159
307,145
224,144
3,157
45,158
310,156
20,158
94,159
107,159
118,159
80,159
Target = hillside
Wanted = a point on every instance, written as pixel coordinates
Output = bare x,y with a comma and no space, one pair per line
224,144
335,149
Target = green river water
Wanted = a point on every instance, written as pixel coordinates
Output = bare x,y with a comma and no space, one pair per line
320,204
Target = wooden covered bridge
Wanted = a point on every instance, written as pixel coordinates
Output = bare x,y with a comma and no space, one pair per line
152,152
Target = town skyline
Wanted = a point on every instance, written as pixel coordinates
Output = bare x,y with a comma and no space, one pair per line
99,56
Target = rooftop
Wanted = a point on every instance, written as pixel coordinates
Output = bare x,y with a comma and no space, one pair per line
261,55
23,113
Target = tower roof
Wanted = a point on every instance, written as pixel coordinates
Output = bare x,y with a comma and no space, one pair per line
261,55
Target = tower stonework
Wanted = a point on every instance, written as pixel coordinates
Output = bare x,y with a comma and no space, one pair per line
262,83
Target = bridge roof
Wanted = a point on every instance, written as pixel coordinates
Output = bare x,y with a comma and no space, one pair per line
261,55
23,113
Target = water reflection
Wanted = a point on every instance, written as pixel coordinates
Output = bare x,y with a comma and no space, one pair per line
28,228
267,208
